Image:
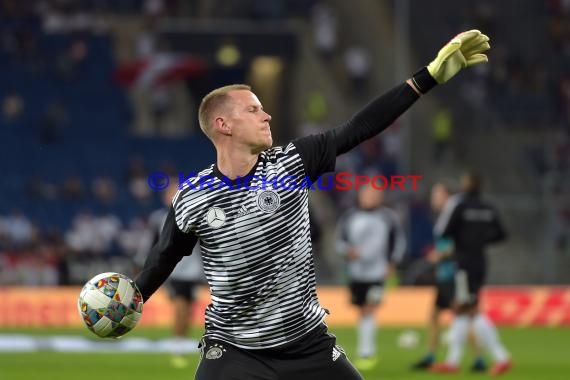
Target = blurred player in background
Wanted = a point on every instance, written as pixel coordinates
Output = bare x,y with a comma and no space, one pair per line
265,320
373,241
182,284
472,224
445,268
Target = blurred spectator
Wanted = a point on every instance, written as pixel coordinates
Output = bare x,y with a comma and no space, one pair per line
442,129
140,189
19,231
108,229
161,100
69,17
104,189
72,188
137,179
357,65
514,91
474,94
370,156
37,270
314,114
38,189
12,108
145,44
136,237
81,238
136,168
93,236
57,252
325,28
154,9
70,62
156,78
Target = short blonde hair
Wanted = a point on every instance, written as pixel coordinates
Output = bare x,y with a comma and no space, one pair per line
212,102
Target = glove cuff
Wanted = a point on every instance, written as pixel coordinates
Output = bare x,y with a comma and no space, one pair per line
423,80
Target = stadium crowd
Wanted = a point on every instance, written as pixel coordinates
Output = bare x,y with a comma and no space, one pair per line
72,208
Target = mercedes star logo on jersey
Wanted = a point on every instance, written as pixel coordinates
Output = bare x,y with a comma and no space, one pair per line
216,217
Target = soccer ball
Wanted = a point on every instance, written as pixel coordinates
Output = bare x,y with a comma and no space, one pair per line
408,339
110,305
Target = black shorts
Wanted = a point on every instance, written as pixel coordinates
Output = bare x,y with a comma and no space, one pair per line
366,293
313,357
468,285
182,288
445,295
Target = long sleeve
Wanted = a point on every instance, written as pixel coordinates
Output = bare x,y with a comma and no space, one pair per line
397,241
171,247
378,115
498,232
341,240
319,151
447,221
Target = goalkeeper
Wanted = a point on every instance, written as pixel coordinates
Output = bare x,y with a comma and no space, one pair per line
265,320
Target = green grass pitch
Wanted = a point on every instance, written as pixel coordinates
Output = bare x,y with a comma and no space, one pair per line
538,353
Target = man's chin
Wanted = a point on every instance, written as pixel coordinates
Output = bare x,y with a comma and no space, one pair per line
268,144
262,147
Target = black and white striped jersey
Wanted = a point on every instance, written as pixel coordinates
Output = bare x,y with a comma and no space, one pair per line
256,245
255,234
256,250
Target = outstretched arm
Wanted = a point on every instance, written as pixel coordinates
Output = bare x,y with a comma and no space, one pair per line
377,115
319,151
464,50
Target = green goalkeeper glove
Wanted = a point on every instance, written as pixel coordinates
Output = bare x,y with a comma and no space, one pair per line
464,50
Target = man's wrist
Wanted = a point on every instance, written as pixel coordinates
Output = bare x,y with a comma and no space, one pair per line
422,81
413,86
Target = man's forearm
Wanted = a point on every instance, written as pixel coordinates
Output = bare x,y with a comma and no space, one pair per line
381,112
153,275
171,246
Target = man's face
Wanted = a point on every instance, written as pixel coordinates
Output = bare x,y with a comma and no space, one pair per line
439,196
248,122
370,198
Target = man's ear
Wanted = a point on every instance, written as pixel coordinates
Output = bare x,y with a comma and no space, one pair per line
221,126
